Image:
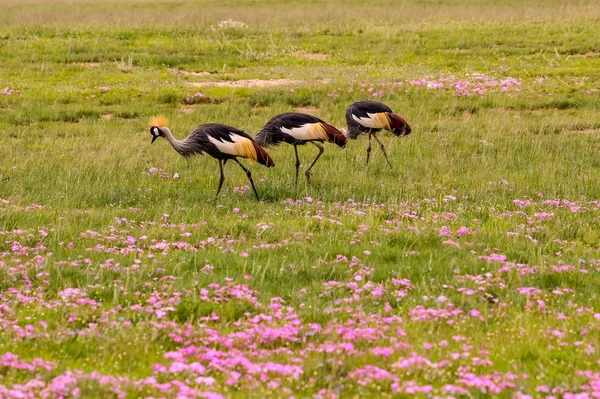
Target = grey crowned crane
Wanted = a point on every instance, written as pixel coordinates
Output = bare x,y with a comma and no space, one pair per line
221,142
369,117
298,129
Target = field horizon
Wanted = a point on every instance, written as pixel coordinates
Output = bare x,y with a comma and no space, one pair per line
470,269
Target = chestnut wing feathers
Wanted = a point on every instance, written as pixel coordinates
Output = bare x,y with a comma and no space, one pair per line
223,142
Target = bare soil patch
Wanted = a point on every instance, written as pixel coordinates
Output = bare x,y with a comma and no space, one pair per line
88,64
188,73
189,109
307,110
311,56
251,83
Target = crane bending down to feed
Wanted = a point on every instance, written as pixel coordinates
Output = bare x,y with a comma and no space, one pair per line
219,141
369,117
298,129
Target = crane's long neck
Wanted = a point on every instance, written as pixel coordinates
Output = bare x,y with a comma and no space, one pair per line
177,145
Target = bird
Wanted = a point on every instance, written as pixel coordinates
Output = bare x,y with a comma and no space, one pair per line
298,129
220,141
369,117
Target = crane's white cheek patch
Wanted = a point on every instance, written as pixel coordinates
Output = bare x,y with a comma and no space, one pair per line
373,121
309,131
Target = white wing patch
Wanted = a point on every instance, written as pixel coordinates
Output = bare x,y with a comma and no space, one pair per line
241,146
308,131
374,121
224,146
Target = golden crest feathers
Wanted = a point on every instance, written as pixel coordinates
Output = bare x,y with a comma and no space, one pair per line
159,120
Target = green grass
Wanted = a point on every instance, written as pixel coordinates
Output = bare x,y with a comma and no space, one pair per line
84,155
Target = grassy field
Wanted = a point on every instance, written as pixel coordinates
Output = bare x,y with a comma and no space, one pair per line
469,270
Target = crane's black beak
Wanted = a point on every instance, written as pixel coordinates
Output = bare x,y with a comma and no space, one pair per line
153,139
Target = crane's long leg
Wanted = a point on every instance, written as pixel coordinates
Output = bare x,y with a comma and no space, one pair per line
383,149
321,149
222,176
369,149
249,177
297,162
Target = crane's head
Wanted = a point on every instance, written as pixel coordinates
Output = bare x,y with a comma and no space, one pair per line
158,125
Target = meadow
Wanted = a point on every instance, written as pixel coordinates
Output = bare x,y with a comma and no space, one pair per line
469,270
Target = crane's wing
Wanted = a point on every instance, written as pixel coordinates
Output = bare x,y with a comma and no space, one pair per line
369,115
231,141
295,127
362,108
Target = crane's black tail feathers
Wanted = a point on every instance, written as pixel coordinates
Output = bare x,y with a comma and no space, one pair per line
266,138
